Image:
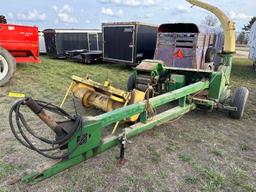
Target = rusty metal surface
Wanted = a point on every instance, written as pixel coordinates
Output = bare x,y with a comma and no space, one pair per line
49,121
88,83
184,45
101,96
148,65
40,112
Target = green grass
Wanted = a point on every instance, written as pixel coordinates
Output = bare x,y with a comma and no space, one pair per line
191,179
171,147
54,76
217,152
185,157
154,154
123,188
212,180
242,73
244,147
240,179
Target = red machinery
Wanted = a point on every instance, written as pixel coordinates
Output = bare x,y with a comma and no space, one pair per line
18,44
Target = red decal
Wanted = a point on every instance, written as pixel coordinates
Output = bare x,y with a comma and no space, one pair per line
179,54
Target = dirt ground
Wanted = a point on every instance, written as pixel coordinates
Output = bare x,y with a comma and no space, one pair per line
199,152
242,52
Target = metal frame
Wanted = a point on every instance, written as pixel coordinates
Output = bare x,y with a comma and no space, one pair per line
92,128
97,40
214,83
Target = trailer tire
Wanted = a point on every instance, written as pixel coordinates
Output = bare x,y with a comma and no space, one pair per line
131,82
239,101
210,54
8,66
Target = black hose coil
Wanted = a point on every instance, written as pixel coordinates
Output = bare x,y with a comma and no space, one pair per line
55,144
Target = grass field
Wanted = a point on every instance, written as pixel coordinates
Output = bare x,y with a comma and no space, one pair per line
199,152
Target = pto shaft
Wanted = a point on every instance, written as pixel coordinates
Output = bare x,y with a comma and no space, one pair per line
40,112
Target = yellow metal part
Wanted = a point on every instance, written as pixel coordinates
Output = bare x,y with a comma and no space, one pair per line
104,96
107,83
67,93
227,25
17,95
136,96
117,123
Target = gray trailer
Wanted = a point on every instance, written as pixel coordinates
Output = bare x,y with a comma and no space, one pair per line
128,42
60,41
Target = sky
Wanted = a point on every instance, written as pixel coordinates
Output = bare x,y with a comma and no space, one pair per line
89,14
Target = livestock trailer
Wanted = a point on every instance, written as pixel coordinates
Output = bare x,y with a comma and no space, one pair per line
187,45
252,44
128,42
59,41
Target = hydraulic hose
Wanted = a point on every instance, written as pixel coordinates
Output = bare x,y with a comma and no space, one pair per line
21,134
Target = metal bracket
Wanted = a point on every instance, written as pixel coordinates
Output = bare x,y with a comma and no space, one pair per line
227,107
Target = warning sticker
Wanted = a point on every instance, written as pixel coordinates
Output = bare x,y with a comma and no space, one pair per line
179,54
17,95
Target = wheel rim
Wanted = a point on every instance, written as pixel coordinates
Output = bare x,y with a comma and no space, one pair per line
3,67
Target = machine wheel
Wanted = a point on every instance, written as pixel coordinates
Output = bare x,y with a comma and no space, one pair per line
210,54
239,101
7,66
131,82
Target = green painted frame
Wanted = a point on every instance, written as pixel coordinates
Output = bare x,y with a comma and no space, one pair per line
92,128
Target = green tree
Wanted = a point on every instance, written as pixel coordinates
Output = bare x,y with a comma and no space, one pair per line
249,25
242,38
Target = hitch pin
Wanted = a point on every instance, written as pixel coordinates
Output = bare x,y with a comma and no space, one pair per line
123,142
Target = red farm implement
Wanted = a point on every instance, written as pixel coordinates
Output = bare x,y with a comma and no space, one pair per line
18,44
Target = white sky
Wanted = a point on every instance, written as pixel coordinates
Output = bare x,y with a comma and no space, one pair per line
91,13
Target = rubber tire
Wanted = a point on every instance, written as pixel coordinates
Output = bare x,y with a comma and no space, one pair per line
210,54
131,82
11,66
239,101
